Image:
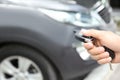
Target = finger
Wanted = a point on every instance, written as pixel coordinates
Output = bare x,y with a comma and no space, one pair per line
88,46
105,60
91,32
100,56
96,50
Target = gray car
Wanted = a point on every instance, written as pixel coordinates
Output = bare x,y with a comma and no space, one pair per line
38,42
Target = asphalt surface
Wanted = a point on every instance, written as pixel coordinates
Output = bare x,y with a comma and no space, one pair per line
105,73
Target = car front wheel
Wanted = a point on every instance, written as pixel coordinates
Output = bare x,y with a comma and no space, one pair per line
23,63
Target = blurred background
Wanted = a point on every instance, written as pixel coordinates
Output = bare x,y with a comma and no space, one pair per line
116,10
32,26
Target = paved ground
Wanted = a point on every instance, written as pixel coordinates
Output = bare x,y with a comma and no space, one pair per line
104,73
116,74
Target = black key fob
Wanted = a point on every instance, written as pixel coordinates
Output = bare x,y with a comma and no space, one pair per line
111,52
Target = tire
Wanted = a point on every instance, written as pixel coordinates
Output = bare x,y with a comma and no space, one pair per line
25,63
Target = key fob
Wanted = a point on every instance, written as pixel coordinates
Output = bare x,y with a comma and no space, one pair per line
86,39
111,52
83,38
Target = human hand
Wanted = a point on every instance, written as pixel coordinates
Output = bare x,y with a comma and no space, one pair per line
106,38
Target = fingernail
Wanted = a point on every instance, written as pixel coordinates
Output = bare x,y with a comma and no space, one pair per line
83,30
101,49
109,59
89,45
106,53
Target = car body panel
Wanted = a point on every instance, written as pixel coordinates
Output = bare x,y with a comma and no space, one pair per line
54,39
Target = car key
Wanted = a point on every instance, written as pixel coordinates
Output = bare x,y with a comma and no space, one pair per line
87,39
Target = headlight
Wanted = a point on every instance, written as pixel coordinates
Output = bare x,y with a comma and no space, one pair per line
82,19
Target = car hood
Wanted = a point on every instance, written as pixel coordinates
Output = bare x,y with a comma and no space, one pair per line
49,4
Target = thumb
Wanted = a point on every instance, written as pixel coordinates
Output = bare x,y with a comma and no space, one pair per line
92,32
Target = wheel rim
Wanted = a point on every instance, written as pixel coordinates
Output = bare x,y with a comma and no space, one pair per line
19,68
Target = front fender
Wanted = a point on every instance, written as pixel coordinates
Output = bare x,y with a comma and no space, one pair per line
54,39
